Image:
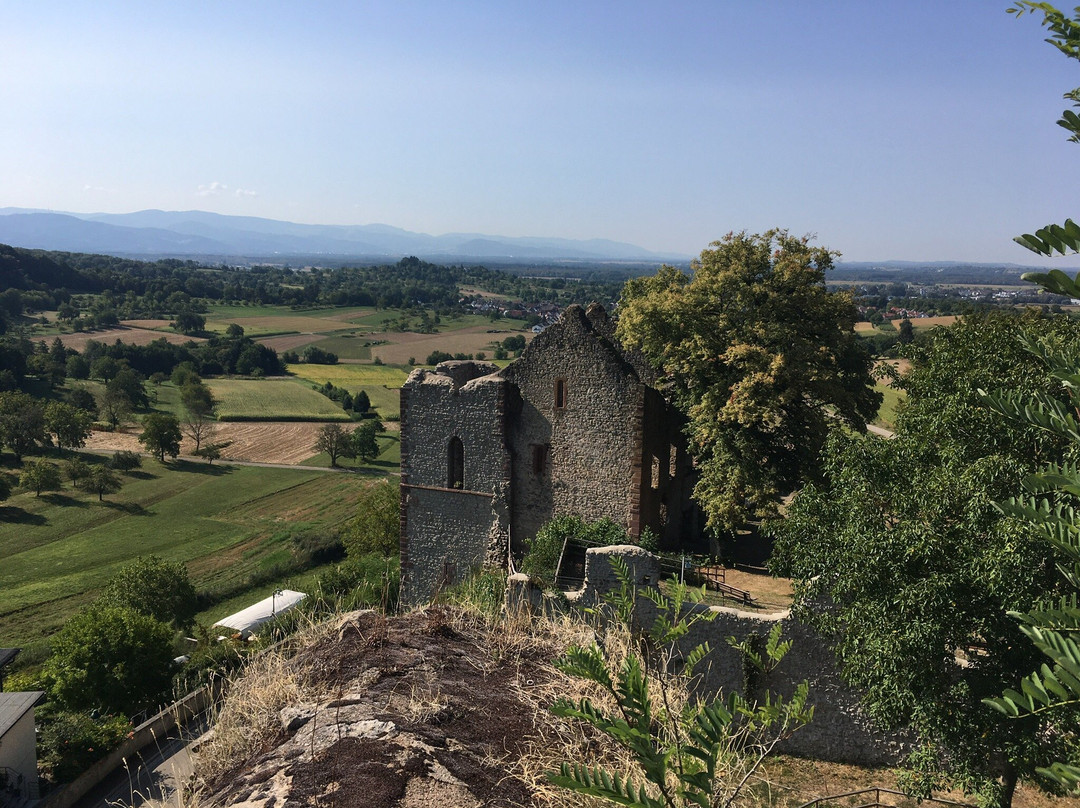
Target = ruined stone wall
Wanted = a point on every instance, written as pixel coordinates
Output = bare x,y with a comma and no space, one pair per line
667,476
448,531
591,444
840,730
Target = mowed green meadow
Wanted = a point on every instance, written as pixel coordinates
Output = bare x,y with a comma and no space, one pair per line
272,400
225,523
381,382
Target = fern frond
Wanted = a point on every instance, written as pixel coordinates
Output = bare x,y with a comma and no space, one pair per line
596,782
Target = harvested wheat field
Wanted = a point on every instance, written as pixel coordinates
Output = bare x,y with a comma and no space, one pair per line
931,322
132,336
290,342
466,340
287,442
151,324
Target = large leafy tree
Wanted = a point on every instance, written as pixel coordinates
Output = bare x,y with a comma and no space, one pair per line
335,441
906,564
377,524
69,425
22,422
154,587
110,659
199,418
759,356
161,435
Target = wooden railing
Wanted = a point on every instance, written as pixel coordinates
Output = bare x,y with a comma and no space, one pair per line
873,798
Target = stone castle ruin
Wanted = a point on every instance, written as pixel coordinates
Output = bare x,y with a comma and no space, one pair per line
574,427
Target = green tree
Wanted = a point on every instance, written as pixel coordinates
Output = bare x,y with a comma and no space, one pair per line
907,332
104,368
130,384
906,565
365,444
760,357
110,659
69,425
377,524
161,435
40,475
99,479
361,402
190,323
199,407
114,406
334,441
1050,696
22,422
75,470
155,587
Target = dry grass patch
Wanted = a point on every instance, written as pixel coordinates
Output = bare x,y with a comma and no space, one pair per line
131,336
290,342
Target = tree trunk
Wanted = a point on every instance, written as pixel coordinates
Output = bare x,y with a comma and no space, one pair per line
1008,785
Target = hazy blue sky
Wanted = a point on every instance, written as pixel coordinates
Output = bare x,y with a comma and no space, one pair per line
914,130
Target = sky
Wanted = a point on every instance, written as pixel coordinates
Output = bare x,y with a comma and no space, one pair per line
892,130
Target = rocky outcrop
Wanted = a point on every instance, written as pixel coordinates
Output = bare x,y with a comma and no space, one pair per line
407,712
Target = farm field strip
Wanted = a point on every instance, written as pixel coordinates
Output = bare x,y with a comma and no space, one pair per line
272,400
350,376
187,513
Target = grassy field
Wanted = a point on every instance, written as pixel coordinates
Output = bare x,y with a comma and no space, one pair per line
381,382
891,398
272,400
225,523
347,346
388,461
351,376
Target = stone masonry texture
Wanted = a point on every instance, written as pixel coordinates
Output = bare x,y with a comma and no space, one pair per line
572,427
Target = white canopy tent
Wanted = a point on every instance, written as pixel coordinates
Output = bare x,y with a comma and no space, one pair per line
249,619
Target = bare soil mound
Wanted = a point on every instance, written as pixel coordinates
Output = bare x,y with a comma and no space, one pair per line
389,713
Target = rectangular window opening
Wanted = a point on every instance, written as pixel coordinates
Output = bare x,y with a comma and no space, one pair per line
540,458
560,394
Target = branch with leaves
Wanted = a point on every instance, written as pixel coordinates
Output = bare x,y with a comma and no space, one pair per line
697,752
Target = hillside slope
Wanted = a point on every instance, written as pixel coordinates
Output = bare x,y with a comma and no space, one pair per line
405,712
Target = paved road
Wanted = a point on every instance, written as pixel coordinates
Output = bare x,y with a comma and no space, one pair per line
158,773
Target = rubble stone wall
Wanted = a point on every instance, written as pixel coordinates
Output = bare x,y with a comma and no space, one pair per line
840,730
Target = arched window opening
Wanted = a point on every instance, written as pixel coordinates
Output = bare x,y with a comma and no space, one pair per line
455,464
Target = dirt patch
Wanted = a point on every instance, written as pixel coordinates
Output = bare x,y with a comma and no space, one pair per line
132,336
289,342
147,323
287,442
466,340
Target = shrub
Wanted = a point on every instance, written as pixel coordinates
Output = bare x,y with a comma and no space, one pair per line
72,742
544,551
125,460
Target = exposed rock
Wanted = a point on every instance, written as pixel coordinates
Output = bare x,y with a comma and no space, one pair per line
408,712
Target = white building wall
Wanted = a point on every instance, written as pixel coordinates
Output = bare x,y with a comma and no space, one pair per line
18,750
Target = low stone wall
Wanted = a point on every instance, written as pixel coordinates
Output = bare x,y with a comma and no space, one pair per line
150,731
840,731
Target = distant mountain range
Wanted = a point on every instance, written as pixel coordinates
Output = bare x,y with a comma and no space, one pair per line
195,233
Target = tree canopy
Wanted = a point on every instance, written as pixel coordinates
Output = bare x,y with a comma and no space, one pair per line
161,435
110,659
761,358
154,587
904,561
